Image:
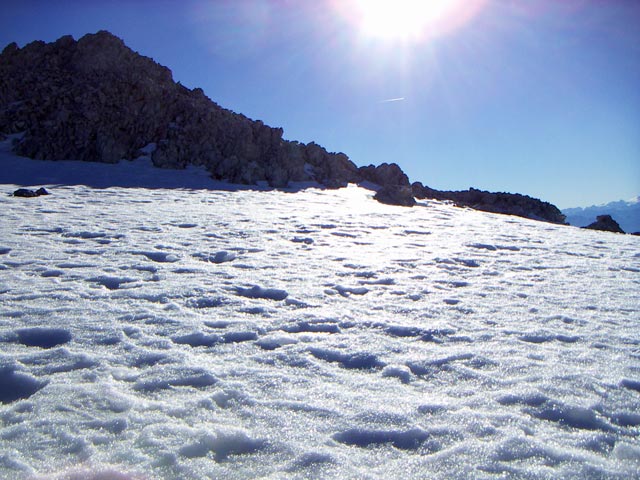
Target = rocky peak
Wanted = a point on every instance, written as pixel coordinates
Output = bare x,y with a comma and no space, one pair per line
103,52
10,49
97,100
605,223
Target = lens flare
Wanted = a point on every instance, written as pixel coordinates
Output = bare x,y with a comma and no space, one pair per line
408,20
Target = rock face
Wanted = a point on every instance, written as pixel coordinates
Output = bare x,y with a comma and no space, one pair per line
506,203
96,100
606,224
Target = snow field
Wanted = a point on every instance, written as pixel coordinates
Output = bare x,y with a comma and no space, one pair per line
162,333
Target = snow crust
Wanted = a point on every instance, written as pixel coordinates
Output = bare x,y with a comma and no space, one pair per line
163,333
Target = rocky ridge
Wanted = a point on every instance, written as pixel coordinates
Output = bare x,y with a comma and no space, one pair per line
500,202
95,99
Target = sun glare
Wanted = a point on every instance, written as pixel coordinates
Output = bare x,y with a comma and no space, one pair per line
401,18
409,20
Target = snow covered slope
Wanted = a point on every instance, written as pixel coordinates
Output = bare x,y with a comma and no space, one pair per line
166,333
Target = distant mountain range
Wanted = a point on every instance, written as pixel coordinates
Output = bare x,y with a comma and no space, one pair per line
625,212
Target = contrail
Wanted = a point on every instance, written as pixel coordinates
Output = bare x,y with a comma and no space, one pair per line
389,100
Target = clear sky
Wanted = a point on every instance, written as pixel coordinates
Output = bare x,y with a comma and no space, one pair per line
540,97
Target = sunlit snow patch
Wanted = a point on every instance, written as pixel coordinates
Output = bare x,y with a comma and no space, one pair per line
435,341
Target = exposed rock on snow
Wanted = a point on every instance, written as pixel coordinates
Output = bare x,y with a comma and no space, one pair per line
506,203
396,195
606,224
26,193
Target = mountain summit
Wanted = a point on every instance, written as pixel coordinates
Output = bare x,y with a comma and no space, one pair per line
97,100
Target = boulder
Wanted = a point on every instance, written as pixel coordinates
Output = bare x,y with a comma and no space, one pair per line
605,223
26,193
396,195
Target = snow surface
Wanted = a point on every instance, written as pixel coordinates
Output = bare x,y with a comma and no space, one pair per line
186,333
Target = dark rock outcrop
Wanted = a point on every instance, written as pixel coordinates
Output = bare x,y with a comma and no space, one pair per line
395,188
396,195
505,203
385,174
606,224
26,193
96,100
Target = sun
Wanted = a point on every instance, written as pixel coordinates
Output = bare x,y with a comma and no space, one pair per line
409,20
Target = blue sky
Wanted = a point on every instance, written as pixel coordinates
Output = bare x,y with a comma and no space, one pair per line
538,97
